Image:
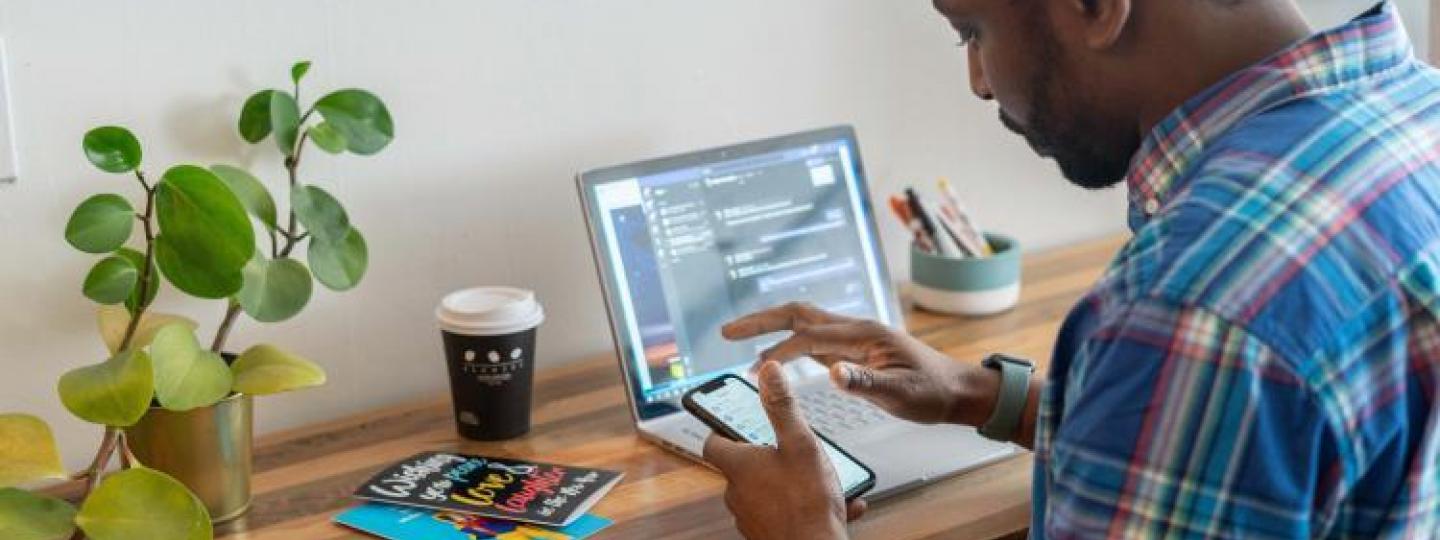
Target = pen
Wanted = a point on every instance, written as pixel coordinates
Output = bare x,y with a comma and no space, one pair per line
968,228
953,224
965,248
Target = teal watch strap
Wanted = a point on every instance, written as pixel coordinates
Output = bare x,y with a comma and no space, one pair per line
1014,392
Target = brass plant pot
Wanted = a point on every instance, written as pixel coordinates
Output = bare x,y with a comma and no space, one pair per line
208,449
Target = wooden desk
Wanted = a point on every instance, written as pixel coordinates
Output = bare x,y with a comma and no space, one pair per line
303,477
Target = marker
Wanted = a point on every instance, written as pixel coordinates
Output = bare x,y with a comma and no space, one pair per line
917,209
927,227
902,212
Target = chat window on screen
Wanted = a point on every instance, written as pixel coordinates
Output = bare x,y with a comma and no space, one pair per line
702,246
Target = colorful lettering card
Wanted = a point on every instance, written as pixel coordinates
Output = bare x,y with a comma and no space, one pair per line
507,489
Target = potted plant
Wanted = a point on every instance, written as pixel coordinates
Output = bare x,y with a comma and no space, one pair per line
176,413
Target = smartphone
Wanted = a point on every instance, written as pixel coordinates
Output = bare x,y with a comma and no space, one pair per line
731,406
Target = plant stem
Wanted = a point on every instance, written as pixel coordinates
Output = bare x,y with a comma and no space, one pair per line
127,456
231,313
91,474
147,220
292,166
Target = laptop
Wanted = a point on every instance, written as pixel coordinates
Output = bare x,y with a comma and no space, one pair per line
684,244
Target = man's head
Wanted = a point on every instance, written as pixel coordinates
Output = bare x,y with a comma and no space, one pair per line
1082,80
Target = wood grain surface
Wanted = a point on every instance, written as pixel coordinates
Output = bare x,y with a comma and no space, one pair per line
303,477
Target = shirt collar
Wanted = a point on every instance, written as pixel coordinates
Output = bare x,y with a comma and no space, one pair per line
1367,45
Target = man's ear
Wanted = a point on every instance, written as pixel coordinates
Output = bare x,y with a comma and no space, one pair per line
1102,21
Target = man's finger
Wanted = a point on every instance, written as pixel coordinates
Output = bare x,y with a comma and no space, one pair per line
723,453
826,343
868,382
791,431
762,322
778,319
855,509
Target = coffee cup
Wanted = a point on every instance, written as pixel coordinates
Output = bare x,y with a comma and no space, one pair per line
489,339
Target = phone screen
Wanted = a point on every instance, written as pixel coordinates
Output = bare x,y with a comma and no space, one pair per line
735,403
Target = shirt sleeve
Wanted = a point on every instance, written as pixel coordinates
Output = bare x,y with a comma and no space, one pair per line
1177,423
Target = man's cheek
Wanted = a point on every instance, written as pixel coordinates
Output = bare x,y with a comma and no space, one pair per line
1008,88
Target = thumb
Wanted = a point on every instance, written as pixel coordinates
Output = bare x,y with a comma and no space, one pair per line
790,427
854,509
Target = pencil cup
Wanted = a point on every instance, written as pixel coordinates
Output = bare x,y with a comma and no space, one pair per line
968,286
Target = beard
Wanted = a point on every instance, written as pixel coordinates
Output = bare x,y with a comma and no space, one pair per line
1093,152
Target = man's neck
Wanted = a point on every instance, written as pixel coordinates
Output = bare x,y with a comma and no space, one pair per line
1215,42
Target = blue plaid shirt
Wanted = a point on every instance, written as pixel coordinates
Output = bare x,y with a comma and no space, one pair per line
1262,359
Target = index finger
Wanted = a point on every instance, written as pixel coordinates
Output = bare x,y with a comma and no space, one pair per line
777,319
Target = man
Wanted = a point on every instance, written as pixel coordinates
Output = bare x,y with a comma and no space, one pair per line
1261,360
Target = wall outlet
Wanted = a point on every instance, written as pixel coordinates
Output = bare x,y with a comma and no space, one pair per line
9,168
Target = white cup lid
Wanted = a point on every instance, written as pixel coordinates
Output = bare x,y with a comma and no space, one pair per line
489,311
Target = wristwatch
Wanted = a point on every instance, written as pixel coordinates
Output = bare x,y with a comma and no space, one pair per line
1014,392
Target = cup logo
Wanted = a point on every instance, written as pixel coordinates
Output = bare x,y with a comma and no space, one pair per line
495,366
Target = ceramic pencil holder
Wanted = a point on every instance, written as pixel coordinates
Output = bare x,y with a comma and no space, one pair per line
967,285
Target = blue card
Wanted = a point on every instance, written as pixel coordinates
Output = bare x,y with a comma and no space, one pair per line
404,523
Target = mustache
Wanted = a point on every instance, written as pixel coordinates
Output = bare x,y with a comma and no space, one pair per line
1040,144
1012,124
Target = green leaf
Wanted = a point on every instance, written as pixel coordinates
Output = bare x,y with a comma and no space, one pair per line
285,119
112,280
299,70
101,224
115,392
255,117
206,236
360,117
192,277
151,285
320,213
274,290
143,504
187,376
112,149
340,265
113,321
327,138
30,516
250,191
27,451
264,369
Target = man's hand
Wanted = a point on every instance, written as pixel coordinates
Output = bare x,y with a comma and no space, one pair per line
789,491
891,369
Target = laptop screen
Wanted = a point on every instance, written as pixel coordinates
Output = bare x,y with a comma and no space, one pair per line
689,243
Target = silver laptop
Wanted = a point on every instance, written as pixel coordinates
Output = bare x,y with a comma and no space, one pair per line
686,243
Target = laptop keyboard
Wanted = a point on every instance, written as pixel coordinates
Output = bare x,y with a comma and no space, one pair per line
833,412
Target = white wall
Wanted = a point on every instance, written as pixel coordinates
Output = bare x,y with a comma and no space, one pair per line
1324,13
1434,33
497,103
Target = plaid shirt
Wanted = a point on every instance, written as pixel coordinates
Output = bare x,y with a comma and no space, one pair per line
1262,359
